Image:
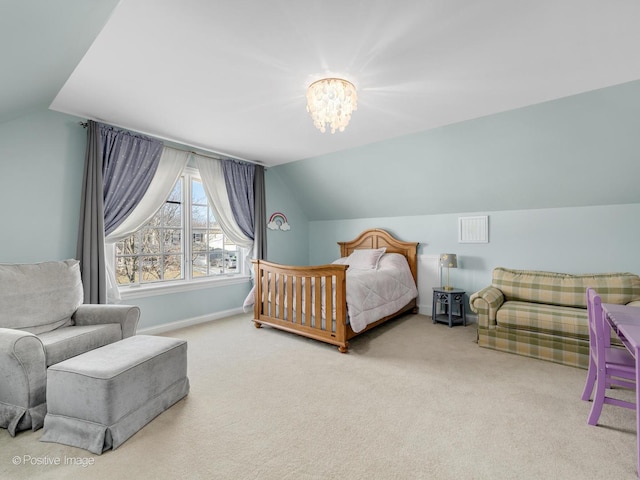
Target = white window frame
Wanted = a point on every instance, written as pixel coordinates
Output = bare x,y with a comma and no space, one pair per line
188,283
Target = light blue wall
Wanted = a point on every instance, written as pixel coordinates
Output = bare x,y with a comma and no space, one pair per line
577,151
569,240
193,305
559,182
584,146
290,247
41,169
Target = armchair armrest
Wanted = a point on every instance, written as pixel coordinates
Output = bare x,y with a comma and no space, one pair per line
486,303
23,381
126,315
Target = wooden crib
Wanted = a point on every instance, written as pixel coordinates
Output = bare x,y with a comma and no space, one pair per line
324,320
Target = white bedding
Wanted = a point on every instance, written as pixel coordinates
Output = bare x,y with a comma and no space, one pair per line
373,293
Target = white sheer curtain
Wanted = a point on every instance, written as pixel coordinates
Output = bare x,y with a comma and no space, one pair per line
172,163
212,175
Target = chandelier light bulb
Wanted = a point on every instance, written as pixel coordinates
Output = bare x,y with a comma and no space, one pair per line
330,101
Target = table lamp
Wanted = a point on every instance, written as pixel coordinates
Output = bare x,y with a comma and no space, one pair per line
448,260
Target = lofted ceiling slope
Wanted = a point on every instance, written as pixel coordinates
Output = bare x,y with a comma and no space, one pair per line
231,75
42,42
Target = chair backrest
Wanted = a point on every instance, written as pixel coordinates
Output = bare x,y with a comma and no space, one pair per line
39,297
598,340
565,289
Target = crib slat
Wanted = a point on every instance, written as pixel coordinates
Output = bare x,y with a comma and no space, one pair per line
289,299
307,300
299,316
264,299
280,293
272,293
318,302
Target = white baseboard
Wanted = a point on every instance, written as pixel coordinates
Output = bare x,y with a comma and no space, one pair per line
187,322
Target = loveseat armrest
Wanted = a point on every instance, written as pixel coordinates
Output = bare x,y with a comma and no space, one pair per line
92,314
486,303
23,381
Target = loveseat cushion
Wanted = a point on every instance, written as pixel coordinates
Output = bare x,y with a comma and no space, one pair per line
565,289
549,319
39,297
68,342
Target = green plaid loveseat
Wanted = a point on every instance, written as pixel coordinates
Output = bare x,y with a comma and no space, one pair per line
544,314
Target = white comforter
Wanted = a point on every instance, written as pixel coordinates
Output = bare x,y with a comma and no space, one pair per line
374,293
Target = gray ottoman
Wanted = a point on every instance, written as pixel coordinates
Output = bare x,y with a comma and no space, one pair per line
99,399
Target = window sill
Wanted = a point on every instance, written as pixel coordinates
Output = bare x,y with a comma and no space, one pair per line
151,290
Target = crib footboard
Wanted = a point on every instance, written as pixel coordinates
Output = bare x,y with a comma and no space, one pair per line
308,301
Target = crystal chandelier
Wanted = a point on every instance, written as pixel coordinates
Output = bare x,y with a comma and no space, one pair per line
330,101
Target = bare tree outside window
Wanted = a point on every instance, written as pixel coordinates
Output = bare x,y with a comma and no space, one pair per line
157,252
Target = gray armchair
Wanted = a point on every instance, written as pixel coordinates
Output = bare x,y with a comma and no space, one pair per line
43,322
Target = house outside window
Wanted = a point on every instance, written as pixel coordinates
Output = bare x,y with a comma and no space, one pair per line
182,243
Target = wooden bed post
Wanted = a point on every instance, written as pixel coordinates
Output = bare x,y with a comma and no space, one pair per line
258,298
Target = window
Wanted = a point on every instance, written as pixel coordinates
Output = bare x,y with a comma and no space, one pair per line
157,252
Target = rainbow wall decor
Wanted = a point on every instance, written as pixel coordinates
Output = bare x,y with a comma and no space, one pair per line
278,221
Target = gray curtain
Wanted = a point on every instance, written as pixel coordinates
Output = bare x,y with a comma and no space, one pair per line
260,215
246,192
90,247
129,163
119,166
238,178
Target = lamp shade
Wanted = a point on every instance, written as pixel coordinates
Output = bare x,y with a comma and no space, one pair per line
448,260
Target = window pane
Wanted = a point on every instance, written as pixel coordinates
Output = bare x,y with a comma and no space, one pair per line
231,262
128,246
199,216
173,267
172,241
199,266
150,240
198,196
151,268
172,214
200,241
127,270
216,242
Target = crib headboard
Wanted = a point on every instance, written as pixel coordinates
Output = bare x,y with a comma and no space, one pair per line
378,238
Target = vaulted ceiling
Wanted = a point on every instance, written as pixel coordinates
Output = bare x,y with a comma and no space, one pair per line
231,75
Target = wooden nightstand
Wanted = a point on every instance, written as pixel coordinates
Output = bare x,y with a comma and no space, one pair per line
447,299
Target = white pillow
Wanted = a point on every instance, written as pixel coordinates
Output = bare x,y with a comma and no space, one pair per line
365,258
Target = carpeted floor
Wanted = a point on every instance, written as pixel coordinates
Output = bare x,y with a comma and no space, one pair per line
412,400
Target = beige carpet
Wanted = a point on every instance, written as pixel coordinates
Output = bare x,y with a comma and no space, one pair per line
411,400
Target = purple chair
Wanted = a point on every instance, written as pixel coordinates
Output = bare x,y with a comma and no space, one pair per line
607,365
